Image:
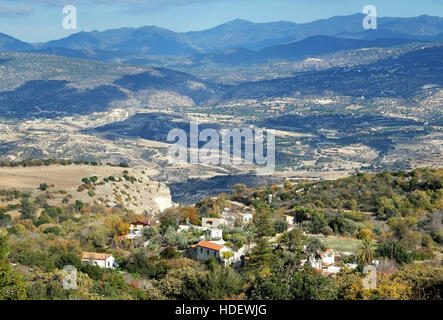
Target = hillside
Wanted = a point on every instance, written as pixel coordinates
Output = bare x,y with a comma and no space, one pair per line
403,77
129,188
311,47
350,218
47,86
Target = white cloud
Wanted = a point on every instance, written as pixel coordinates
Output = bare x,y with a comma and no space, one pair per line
15,11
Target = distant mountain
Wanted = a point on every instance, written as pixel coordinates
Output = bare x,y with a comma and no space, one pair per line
47,86
8,43
146,40
402,77
310,47
152,40
384,34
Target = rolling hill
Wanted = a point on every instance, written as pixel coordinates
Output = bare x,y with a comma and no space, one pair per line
310,47
39,85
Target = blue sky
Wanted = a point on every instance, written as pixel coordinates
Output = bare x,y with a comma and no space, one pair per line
41,20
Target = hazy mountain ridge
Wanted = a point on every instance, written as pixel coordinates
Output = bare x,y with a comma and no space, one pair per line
154,40
309,47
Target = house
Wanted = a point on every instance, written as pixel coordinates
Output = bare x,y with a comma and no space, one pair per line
290,220
323,261
103,260
205,250
327,257
247,217
212,222
138,226
215,233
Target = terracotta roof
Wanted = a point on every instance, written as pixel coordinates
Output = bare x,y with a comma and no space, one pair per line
96,256
144,223
209,245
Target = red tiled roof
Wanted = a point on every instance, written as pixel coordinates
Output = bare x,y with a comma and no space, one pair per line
209,245
144,223
96,256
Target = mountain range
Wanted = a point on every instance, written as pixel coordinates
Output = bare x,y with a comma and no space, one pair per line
153,40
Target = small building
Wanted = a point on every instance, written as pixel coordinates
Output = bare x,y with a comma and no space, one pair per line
247,218
138,226
103,260
290,220
215,233
205,250
327,257
212,222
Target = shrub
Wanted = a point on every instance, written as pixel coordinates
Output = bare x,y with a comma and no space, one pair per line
169,253
280,225
394,250
65,259
327,231
43,186
54,230
94,272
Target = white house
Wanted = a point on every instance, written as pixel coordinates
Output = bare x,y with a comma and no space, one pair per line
215,233
103,260
247,217
205,250
290,220
326,262
327,257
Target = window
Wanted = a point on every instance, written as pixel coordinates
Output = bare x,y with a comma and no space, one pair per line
215,254
208,252
201,250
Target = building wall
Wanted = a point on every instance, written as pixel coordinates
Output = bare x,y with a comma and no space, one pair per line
215,222
205,254
106,264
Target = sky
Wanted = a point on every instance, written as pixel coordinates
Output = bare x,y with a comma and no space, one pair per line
41,20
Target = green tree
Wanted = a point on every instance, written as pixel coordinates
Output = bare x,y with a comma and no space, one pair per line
394,250
366,252
263,226
261,257
78,205
27,209
12,286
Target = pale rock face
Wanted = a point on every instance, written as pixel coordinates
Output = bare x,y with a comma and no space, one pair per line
163,202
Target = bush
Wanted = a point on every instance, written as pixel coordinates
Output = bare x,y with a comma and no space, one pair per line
54,230
394,250
78,205
91,193
348,226
43,186
66,259
148,233
43,219
327,231
169,253
280,226
94,272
